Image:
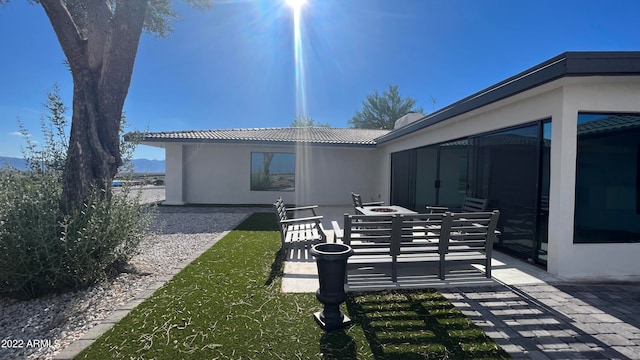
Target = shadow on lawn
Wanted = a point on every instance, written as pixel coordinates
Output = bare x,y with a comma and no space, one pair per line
259,222
418,325
338,345
277,268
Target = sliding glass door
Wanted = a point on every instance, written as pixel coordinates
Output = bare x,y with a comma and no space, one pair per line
426,176
506,170
431,175
452,173
403,179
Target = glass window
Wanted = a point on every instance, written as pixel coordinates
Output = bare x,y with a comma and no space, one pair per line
607,207
271,171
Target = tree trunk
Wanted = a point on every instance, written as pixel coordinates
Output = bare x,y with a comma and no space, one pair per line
92,159
100,40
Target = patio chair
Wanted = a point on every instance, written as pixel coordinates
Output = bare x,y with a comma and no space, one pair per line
472,204
468,237
357,202
299,232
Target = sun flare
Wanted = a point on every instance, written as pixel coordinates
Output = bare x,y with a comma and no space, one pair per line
296,5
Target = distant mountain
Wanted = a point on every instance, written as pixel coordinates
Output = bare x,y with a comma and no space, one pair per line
17,163
149,166
139,165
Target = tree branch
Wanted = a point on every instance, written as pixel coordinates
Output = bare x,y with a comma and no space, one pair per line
71,41
121,48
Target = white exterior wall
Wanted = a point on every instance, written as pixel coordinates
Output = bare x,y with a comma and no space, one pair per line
174,174
221,174
605,261
560,100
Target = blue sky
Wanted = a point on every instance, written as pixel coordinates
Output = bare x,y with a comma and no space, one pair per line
233,66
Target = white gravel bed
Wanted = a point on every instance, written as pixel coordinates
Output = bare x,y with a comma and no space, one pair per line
40,328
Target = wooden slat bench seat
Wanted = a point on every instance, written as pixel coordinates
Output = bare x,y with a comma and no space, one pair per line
299,232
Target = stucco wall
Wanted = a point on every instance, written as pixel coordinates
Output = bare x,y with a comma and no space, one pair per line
618,261
174,174
325,175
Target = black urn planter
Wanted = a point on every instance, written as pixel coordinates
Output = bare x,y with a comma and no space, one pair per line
332,266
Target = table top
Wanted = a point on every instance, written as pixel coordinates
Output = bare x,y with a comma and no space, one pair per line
384,210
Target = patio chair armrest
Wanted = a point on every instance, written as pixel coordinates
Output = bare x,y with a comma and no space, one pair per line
305,219
337,232
301,208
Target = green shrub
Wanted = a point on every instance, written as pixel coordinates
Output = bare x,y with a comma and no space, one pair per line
44,251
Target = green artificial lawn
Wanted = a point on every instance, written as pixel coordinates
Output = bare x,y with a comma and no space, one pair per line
227,304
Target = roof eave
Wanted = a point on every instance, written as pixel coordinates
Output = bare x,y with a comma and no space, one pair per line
256,142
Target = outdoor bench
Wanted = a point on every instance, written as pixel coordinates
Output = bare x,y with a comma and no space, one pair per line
443,238
299,232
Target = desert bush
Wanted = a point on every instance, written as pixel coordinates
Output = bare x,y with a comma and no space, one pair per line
44,249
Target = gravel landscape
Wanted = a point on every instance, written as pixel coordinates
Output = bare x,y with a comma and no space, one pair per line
41,328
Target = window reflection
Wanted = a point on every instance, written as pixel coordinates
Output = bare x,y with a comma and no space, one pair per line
607,206
271,171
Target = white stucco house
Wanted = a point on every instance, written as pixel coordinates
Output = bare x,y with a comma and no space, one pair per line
555,148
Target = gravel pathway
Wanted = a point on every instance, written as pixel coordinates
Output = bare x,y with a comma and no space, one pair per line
41,328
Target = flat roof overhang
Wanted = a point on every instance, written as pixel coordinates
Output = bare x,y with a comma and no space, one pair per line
568,64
